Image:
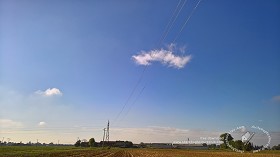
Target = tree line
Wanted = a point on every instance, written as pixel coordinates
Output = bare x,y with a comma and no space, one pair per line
90,143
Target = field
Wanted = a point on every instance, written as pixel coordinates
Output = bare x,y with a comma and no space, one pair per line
8,151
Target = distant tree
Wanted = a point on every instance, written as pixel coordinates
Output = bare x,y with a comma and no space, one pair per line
91,142
276,147
225,137
238,144
128,144
84,144
212,146
142,145
29,143
78,143
258,147
248,146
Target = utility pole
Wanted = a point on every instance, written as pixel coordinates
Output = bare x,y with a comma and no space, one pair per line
103,137
107,133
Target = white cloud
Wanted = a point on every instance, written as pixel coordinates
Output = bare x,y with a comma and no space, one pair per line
8,123
49,92
164,56
42,123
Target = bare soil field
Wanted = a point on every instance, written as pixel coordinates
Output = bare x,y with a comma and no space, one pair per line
97,152
196,153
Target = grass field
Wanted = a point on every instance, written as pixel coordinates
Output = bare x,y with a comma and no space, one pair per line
28,151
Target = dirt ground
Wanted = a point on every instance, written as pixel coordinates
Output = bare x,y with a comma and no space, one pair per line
70,152
163,153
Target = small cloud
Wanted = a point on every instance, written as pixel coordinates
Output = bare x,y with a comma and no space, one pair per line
49,92
243,129
164,56
182,49
276,99
42,124
171,47
8,123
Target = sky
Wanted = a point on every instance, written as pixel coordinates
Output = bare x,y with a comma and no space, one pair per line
159,71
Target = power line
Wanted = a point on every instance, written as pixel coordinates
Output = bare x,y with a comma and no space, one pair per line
167,28
134,101
187,20
170,24
132,92
171,21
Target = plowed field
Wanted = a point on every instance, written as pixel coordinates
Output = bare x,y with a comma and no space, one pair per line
98,152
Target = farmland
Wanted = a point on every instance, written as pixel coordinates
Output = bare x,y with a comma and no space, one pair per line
29,151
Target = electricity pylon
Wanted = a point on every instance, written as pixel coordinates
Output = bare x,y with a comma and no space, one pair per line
106,134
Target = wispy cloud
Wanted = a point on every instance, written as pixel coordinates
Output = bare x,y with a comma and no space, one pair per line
165,56
8,123
49,92
276,99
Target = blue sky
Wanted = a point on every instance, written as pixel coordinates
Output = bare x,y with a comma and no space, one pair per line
82,51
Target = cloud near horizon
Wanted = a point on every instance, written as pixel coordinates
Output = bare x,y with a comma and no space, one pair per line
164,56
8,123
49,92
42,123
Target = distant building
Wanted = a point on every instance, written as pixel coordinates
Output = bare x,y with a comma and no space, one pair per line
178,146
159,145
190,146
